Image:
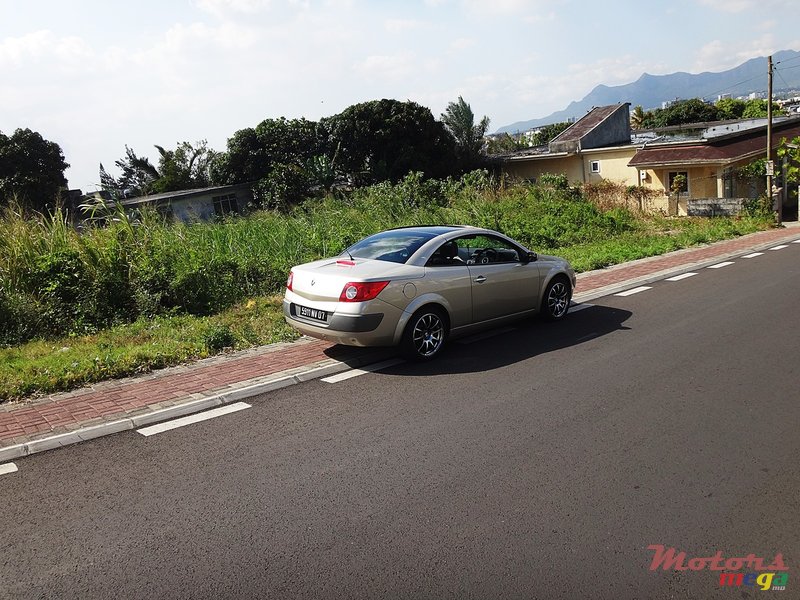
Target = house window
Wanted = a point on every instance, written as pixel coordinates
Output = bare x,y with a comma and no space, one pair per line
226,204
682,177
594,166
728,183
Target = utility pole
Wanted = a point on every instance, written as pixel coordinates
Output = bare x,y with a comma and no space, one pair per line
770,164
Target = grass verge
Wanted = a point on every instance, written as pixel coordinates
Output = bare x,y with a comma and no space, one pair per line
43,367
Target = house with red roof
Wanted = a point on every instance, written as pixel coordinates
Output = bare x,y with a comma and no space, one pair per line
690,169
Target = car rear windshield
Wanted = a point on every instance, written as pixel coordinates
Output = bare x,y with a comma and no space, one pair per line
392,246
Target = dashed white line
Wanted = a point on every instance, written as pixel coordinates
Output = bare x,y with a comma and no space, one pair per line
781,247
679,277
753,255
796,242
191,419
8,468
636,290
720,265
368,369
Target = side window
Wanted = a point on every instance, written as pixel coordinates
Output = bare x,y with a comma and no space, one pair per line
486,249
446,255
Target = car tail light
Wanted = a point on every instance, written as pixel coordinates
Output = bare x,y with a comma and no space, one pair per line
361,291
289,281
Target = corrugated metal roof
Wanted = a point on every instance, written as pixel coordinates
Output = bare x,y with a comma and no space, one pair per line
585,124
181,194
731,149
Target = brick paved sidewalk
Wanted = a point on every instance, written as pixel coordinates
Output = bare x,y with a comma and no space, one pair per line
108,402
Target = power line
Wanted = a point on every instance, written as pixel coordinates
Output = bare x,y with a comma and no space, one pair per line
730,87
788,59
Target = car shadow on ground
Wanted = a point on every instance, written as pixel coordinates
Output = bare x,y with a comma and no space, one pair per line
505,345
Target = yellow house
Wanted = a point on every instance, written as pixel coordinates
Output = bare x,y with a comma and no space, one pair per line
709,164
595,147
701,166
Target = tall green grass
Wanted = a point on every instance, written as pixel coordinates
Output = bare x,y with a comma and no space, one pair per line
58,280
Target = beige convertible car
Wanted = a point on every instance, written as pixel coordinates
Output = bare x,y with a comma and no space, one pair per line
417,286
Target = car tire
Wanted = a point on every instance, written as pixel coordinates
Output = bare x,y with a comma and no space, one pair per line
555,302
425,334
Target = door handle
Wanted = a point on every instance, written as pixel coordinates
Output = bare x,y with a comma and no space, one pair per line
480,279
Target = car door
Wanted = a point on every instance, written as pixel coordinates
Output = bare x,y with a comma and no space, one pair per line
502,284
448,275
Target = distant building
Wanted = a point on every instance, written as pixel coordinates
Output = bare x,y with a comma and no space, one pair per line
600,147
197,205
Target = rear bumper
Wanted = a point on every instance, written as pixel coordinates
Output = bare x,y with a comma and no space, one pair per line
343,323
370,329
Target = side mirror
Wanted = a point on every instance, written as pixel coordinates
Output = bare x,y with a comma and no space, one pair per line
530,257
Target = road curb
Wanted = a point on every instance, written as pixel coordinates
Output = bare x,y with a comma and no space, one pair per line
621,286
242,391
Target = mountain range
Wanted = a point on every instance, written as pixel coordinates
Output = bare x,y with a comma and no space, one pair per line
650,91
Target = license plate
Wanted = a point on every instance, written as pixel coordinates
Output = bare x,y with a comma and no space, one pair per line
312,313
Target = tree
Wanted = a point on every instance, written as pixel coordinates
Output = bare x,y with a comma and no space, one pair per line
730,108
253,153
186,167
789,155
637,117
459,120
137,178
282,158
681,112
548,133
387,139
31,169
505,143
757,109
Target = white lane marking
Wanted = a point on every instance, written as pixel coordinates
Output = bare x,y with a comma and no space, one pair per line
720,265
579,307
8,468
368,369
679,277
753,255
471,339
191,419
796,242
781,247
634,291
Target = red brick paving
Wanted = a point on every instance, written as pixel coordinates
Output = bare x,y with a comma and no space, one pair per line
20,422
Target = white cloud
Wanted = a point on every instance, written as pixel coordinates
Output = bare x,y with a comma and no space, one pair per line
16,50
226,7
731,6
392,67
760,6
403,25
717,55
460,44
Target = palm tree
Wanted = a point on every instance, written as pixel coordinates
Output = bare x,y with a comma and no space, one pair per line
459,120
637,117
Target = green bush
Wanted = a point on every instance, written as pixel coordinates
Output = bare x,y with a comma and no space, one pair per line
219,337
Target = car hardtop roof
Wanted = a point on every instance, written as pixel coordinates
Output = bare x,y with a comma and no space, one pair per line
436,229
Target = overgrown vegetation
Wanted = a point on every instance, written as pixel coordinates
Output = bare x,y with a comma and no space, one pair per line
113,287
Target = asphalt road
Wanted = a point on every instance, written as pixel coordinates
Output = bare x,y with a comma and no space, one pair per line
540,463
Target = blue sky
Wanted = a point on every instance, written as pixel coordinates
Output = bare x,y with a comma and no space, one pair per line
95,76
